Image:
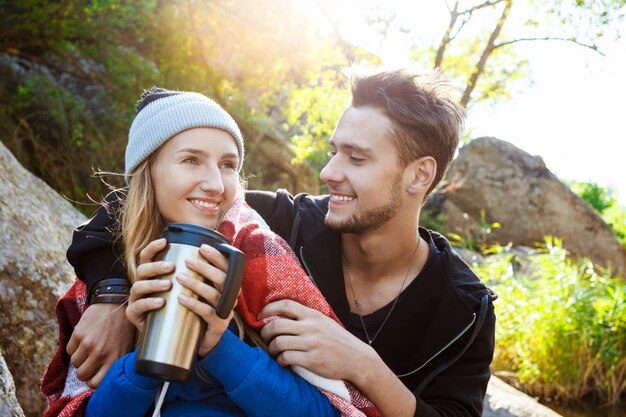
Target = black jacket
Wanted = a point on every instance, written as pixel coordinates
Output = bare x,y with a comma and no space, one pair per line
439,339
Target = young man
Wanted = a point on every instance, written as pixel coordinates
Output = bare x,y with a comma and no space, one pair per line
419,325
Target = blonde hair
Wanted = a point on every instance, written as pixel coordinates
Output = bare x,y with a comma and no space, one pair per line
140,222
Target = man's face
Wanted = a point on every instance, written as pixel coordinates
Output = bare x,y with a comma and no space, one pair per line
364,174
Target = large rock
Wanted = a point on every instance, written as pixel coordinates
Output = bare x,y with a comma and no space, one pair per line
516,189
36,225
9,407
502,400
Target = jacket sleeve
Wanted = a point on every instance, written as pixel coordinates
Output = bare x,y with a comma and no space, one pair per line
259,385
66,394
123,392
93,252
277,209
251,379
460,389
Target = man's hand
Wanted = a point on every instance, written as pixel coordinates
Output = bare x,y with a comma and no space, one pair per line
305,337
102,335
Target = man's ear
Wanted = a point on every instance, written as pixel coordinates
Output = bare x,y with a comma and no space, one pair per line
421,174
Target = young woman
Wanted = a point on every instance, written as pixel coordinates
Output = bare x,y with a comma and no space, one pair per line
183,161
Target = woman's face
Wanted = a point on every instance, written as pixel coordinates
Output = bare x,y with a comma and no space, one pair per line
194,176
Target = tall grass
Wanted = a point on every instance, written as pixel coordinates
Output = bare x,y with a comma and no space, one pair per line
561,325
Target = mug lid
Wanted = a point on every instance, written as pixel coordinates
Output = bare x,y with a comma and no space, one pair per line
191,234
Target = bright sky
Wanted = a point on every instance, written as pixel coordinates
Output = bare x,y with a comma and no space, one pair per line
572,115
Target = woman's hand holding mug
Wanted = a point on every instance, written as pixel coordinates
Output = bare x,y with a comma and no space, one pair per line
143,292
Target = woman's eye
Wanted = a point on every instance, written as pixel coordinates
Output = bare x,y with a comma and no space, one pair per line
228,165
356,159
331,153
190,160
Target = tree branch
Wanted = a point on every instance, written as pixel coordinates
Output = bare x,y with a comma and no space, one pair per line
454,15
466,19
345,48
446,36
489,48
481,6
550,38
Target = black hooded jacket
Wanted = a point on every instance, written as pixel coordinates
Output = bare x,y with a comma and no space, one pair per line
439,338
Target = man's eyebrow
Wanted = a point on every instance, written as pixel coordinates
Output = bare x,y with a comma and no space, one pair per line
353,147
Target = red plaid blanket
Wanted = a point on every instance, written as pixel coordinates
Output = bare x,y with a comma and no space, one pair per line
272,273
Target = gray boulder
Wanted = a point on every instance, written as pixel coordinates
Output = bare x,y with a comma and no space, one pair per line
502,400
516,189
36,226
9,407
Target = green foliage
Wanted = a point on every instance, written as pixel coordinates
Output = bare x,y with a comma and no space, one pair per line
505,72
615,217
72,72
561,325
432,218
594,194
477,242
606,204
314,109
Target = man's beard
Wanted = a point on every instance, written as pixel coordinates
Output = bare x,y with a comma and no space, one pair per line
371,219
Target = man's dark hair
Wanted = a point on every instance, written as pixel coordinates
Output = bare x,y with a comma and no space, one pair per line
426,120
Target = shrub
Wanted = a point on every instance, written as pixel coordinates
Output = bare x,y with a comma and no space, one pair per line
606,204
595,195
561,325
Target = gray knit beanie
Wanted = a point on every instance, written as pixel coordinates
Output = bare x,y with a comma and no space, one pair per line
162,114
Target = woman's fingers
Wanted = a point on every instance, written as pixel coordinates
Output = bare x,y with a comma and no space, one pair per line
201,289
203,310
216,276
147,268
215,257
136,311
150,270
141,289
215,325
140,302
148,253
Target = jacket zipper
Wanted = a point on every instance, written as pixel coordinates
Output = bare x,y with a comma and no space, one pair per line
454,339
306,267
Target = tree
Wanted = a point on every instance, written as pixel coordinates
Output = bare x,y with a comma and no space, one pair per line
476,45
68,70
580,22
71,71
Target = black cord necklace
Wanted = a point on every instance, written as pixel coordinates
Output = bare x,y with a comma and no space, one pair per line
395,301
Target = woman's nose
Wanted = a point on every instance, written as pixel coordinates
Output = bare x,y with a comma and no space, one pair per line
212,182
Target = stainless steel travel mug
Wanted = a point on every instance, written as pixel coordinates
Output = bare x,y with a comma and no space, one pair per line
169,343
